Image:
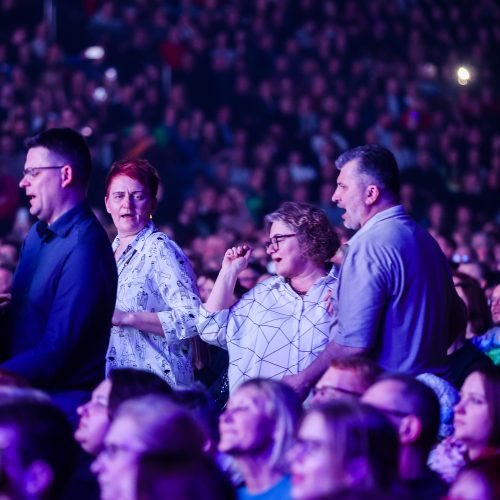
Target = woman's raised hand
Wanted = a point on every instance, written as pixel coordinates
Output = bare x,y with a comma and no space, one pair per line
236,258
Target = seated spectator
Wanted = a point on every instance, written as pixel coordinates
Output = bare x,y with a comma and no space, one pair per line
343,444
346,377
249,277
489,342
413,409
478,480
205,283
149,424
6,278
260,329
463,356
37,451
470,291
257,429
477,425
198,401
9,253
96,414
181,477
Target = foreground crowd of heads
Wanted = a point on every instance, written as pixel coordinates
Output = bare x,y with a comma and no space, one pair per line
363,434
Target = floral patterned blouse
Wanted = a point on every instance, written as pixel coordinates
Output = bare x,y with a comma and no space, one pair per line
154,275
448,457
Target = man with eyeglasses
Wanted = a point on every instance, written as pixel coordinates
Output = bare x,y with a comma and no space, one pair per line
413,409
64,290
347,377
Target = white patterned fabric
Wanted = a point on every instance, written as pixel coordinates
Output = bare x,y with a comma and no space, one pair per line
271,331
154,275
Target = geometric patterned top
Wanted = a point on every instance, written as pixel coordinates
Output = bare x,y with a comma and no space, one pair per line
272,331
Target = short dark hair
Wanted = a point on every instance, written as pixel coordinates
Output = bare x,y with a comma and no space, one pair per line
42,432
138,169
367,370
162,425
182,476
376,162
312,226
198,401
419,400
127,383
69,147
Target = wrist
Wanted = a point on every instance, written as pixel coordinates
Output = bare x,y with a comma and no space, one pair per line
229,274
127,319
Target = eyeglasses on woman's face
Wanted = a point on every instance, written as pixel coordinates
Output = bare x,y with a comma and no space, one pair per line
275,241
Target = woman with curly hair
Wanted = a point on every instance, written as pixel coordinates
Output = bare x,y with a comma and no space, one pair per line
279,326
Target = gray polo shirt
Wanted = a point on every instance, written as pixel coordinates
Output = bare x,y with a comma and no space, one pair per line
396,294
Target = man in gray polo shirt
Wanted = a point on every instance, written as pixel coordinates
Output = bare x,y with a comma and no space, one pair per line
396,299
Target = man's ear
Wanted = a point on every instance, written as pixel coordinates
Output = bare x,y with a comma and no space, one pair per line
38,479
372,194
67,175
410,429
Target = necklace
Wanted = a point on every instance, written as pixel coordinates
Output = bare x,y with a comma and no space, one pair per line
301,293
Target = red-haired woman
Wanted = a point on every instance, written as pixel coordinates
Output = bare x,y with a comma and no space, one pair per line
157,299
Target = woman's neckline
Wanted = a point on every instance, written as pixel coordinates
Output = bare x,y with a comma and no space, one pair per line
301,293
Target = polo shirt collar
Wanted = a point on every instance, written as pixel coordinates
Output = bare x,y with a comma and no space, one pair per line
395,211
63,225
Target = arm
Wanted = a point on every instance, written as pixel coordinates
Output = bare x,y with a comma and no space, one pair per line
144,321
235,260
303,382
75,334
175,283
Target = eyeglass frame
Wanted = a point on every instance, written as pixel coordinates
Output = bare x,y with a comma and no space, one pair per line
308,446
396,413
32,172
347,392
111,450
276,239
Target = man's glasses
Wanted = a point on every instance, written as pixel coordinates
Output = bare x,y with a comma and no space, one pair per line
395,413
32,172
276,240
325,389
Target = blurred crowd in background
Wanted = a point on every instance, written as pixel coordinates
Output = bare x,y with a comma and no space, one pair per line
242,105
